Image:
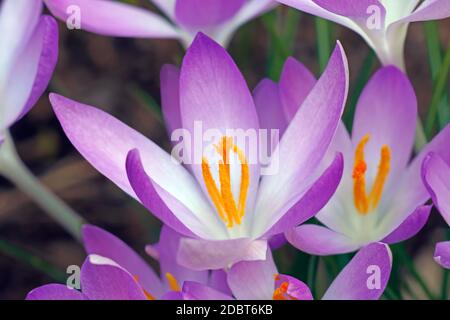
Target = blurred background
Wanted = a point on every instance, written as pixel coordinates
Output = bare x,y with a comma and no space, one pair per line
121,76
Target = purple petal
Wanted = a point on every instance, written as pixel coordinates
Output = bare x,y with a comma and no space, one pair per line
173,295
107,150
203,255
389,119
304,143
200,14
32,72
197,291
269,108
411,226
111,18
365,277
296,289
277,241
168,245
170,97
218,281
296,82
321,241
349,8
312,201
436,176
55,292
100,242
103,279
253,280
430,10
170,210
442,254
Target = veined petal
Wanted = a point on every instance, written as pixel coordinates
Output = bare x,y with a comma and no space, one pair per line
436,176
314,199
349,8
103,279
442,254
253,280
111,18
100,242
202,255
389,119
55,291
317,240
296,82
33,69
205,14
218,281
167,208
430,10
411,226
359,279
304,143
107,150
197,291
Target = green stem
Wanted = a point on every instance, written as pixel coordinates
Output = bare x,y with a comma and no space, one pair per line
312,273
12,168
438,92
323,36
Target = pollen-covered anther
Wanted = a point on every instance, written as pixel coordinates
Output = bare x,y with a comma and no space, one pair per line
230,211
364,202
173,283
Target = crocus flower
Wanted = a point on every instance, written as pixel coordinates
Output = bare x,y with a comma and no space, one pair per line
382,23
114,271
217,18
364,278
381,196
227,212
29,50
436,176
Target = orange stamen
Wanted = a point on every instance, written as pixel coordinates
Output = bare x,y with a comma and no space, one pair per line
173,284
223,199
363,202
146,293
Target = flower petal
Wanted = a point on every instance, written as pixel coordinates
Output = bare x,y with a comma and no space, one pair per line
33,69
55,291
203,14
197,291
164,206
111,18
296,289
170,97
312,201
100,242
436,176
107,150
430,10
349,8
389,119
321,241
365,277
296,82
305,142
411,226
203,255
442,254
218,281
253,280
103,279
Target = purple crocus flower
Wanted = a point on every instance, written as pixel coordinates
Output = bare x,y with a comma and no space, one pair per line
436,176
217,18
382,23
29,50
381,196
226,219
114,271
364,278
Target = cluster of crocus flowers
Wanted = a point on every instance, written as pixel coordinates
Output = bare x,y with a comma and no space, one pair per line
226,212
113,271
381,196
382,23
217,18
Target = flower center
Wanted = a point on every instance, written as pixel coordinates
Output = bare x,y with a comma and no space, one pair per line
281,292
364,202
229,211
